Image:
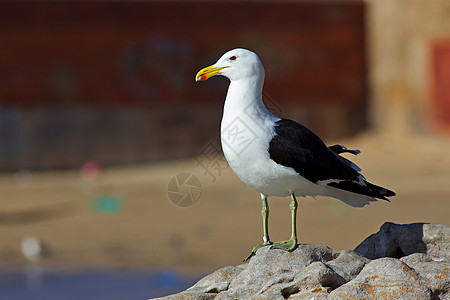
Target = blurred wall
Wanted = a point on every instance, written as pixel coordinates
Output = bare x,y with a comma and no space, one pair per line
114,81
409,58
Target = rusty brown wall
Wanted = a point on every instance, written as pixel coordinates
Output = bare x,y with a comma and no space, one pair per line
114,81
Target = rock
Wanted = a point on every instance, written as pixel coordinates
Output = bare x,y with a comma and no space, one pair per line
217,281
415,258
314,282
437,239
188,295
272,270
318,273
384,278
394,240
399,262
436,274
348,264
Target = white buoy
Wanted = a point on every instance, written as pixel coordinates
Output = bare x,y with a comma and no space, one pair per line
31,248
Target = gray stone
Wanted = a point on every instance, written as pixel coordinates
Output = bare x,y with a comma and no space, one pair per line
417,266
415,258
188,295
318,273
316,279
348,264
394,240
436,274
313,282
308,293
384,278
271,269
219,280
437,239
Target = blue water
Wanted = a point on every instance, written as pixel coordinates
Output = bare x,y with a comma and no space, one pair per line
39,284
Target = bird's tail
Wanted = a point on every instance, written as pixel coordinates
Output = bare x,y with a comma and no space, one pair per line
350,198
354,194
379,192
362,186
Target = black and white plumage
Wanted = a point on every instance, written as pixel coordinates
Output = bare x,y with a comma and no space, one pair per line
295,146
279,157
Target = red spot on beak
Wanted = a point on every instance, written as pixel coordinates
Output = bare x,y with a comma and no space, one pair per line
203,77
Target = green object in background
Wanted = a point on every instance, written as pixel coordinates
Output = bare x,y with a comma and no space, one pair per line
107,204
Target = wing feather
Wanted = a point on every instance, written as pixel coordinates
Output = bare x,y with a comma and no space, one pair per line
295,146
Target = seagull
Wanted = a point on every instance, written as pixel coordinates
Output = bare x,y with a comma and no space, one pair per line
276,156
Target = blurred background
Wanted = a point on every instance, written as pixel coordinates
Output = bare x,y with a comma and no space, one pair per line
113,184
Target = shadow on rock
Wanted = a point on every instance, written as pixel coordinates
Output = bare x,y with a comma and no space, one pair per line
399,262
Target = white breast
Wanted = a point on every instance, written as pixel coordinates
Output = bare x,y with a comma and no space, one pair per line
245,137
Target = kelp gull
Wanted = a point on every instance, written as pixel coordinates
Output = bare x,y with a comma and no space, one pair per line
279,157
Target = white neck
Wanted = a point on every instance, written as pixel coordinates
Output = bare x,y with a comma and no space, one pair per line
244,93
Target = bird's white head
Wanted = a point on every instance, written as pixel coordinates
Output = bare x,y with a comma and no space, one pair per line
236,64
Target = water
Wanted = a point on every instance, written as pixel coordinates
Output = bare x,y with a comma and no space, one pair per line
39,284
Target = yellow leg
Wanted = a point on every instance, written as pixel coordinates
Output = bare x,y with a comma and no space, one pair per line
290,244
265,217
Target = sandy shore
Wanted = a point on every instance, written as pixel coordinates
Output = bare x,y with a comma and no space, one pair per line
124,218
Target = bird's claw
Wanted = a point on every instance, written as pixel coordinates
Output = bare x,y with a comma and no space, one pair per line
288,245
256,248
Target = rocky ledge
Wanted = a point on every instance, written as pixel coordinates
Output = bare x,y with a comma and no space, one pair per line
399,262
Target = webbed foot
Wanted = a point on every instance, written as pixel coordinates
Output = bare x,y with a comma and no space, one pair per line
256,248
288,245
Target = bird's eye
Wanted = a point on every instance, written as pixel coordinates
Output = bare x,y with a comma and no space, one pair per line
233,58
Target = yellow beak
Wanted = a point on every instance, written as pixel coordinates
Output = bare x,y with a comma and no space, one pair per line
208,72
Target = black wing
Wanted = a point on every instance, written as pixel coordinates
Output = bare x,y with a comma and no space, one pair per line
297,147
